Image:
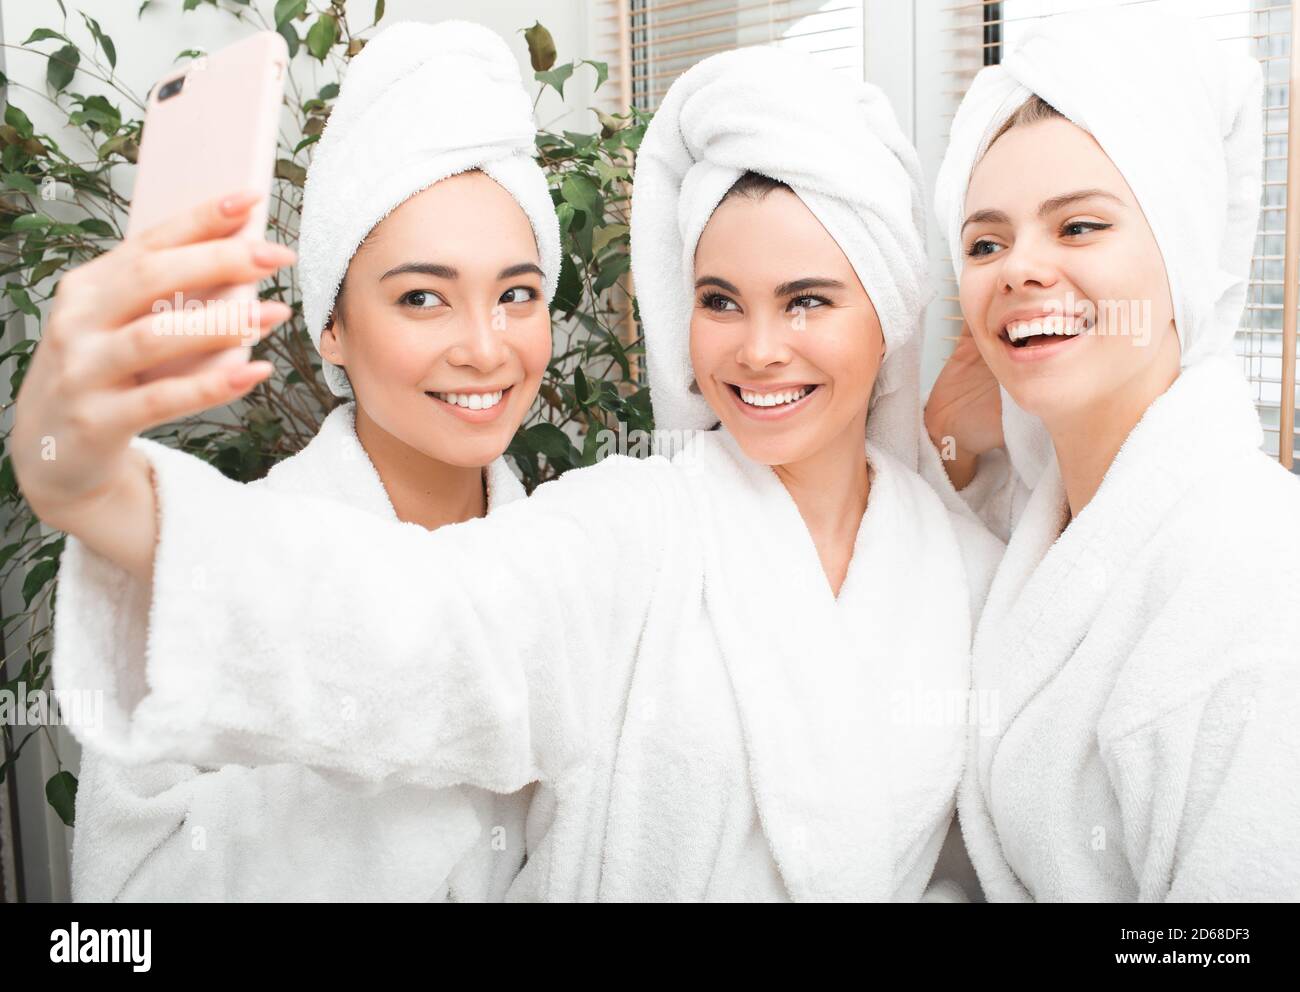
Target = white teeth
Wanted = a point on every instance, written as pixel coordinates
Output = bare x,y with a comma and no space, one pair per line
472,401
774,399
1057,324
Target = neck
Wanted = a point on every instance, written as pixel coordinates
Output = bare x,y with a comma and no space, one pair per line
830,489
1087,440
423,490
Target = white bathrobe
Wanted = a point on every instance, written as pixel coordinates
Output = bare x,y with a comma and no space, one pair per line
1137,677
653,641
227,832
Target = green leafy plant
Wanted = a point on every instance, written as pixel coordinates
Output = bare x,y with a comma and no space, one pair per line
60,207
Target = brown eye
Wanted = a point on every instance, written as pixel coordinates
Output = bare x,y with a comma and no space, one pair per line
421,299
518,294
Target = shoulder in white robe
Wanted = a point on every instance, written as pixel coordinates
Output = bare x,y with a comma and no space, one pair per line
176,831
654,642
1137,676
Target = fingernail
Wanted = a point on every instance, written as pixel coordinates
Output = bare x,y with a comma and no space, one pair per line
270,253
245,375
237,202
274,311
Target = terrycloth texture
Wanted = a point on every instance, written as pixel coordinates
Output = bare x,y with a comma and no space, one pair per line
1138,677
836,143
1179,115
704,719
421,102
171,831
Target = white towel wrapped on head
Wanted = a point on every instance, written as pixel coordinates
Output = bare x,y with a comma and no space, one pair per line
836,143
1179,115
421,102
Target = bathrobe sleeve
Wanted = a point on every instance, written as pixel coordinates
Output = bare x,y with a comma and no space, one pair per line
290,629
994,497
177,832
1201,741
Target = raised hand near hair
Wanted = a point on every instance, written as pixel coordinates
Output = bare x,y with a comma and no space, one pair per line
83,398
964,411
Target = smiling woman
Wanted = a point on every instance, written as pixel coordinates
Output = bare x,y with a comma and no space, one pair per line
438,313
1147,741
652,681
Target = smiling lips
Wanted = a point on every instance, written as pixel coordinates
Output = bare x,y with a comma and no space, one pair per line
475,407
1026,329
772,402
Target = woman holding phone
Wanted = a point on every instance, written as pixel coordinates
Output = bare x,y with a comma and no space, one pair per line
438,365
739,673
1101,195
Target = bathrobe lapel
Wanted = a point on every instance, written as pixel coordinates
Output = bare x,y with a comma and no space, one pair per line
1050,588
810,709
335,466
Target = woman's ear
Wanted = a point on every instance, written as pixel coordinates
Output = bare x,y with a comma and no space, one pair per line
330,347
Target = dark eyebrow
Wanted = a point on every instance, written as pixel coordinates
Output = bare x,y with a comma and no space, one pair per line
521,269
447,272
785,289
718,281
423,268
1046,207
799,285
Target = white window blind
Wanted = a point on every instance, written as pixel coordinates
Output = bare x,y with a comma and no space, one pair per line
981,32
649,43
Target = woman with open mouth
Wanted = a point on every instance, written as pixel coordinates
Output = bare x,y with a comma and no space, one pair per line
1101,195
737,674
437,336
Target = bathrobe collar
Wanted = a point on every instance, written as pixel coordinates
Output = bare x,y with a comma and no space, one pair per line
335,466
1051,585
805,684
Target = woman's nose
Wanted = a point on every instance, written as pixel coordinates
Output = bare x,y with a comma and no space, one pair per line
1028,262
483,341
763,342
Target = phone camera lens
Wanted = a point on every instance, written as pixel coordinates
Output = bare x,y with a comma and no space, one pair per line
170,89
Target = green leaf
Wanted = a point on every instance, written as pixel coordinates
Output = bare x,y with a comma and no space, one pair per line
555,78
21,300
62,67
379,11
143,5
30,222
38,578
290,37
322,36
103,40
61,792
550,441
16,119
541,47
287,10
609,273
44,34
329,91
582,194
604,235
581,389
294,173
568,291
16,180
46,269
602,72
311,139
97,227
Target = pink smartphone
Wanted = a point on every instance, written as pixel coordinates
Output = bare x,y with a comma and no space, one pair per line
211,130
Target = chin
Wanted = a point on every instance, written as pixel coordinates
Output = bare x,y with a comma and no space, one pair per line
767,448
